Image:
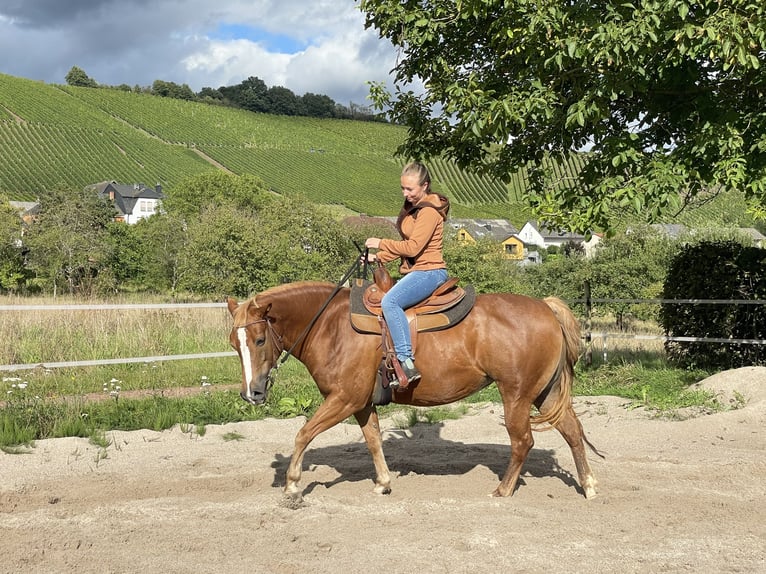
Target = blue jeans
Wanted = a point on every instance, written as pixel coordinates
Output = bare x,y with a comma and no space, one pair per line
412,288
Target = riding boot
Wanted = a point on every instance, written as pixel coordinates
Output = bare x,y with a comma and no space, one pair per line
410,371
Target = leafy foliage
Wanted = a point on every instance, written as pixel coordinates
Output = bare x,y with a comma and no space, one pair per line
77,77
68,244
716,270
216,188
12,274
664,99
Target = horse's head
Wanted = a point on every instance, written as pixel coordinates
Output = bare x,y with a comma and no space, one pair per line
258,347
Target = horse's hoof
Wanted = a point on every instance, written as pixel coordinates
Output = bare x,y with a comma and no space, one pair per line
382,489
292,500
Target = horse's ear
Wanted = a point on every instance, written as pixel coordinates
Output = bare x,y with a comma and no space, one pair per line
232,304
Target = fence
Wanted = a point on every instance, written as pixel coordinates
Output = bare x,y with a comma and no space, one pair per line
116,361
588,334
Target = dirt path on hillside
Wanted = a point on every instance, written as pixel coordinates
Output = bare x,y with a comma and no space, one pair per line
675,496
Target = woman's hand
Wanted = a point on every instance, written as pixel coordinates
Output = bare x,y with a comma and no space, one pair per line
372,243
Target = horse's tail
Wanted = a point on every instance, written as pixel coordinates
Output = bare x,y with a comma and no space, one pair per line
564,375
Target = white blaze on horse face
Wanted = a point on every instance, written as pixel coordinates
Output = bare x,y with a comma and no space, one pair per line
247,365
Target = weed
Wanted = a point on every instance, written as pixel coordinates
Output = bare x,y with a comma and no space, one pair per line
229,436
99,439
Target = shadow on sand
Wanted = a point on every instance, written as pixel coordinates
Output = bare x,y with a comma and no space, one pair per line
420,450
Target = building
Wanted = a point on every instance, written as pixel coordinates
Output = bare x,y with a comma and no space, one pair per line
498,230
133,202
544,237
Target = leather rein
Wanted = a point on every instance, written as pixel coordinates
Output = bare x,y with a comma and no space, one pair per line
276,338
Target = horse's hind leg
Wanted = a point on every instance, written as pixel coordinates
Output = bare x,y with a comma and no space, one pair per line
519,429
570,428
370,425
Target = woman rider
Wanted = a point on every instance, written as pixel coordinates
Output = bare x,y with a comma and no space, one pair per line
421,226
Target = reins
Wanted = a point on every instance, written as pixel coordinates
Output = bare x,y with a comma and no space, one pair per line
278,338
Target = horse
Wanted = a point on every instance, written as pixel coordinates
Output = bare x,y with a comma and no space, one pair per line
528,347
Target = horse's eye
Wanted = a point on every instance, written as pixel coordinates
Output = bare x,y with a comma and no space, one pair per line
260,342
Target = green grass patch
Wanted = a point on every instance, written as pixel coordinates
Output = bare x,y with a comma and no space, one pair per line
28,416
658,387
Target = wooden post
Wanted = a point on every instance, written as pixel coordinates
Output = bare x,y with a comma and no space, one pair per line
588,358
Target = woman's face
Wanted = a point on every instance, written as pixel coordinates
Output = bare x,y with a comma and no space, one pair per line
412,190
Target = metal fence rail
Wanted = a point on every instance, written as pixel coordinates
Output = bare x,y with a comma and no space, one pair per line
588,335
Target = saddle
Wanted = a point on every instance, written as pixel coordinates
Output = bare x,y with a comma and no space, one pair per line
445,307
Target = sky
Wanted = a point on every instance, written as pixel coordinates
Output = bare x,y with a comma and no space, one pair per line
318,46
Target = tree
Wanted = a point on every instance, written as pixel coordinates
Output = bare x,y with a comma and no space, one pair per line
173,90
163,238
318,106
665,100
222,255
283,101
191,195
724,270
12,273
631,265
481,264
231,251
68,244
77,77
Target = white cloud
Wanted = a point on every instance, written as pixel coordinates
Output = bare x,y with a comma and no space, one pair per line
135,42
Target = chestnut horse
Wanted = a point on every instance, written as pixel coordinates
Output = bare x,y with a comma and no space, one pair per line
528,347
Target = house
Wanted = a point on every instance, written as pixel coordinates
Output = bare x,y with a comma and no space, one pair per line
28,210
133,202
535,234
499,230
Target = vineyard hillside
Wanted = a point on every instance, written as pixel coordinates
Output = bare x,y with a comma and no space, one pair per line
58,135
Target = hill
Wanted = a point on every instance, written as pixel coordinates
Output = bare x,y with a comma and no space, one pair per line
58,135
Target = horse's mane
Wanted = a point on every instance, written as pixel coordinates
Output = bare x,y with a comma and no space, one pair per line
298,288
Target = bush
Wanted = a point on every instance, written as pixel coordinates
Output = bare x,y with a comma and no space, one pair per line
716,270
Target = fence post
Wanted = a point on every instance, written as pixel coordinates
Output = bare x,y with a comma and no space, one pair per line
588,303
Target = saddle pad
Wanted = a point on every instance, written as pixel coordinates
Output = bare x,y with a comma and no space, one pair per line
365,322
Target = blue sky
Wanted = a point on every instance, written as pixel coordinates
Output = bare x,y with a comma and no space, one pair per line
317,46
273,41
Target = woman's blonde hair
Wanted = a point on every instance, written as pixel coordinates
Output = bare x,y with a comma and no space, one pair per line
421,171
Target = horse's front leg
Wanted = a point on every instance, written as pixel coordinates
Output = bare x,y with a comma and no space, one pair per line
370,425
332,411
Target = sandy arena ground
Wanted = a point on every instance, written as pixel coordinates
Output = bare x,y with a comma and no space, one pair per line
674,496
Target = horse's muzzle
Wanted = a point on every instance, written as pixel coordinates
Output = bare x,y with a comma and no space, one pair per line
255,398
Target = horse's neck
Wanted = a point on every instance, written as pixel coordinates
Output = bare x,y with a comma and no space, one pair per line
298,314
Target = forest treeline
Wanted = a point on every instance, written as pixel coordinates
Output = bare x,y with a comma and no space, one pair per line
251,94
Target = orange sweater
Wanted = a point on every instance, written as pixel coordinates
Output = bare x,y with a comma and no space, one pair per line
422,229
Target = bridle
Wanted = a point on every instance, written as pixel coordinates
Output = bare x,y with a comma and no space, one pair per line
276,338
277,347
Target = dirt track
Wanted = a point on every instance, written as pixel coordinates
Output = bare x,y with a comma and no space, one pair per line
684,496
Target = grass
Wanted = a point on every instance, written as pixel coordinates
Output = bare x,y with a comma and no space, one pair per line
88,402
